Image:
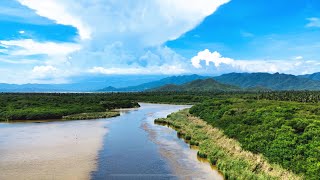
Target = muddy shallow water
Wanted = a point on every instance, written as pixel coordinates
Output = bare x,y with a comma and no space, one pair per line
130,146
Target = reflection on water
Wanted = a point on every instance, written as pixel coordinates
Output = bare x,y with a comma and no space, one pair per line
130,146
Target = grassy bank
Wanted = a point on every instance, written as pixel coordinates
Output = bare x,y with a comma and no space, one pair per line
95,115
224,152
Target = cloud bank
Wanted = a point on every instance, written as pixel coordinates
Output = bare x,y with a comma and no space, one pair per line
214,62
114,36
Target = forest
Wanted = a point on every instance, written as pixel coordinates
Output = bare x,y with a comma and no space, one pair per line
286,131
32,106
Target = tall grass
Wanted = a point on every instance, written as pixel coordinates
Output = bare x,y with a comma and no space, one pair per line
94,115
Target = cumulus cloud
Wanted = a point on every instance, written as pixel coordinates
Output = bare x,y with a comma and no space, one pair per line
208,57
115,37
154,22
126,34
46,62
224,64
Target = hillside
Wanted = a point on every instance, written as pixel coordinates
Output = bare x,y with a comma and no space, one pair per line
173,80
83,84
200,85
272,81
314,76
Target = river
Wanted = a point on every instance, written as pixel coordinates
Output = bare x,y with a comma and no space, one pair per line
130,146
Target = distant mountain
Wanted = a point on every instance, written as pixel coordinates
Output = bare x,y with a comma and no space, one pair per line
200,85
83,84
314,76
272,81
174,80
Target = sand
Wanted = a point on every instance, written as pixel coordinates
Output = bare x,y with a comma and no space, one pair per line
54,150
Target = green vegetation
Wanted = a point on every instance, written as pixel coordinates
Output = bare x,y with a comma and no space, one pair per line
298,96
286,133
225,153
94,115
55,106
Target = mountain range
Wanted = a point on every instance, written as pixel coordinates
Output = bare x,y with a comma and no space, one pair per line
199,85
83,84
174,80
272,81
238,81
129,83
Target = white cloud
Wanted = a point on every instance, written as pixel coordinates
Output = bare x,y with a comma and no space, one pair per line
31,47
43,70
57,11
49,73
208,57
136,25
154,22
37,62
20,61
115,37
313,22
225,65
298,57
21,32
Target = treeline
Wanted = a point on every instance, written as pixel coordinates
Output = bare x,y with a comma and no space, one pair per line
299,96
38,106
25,106
287,133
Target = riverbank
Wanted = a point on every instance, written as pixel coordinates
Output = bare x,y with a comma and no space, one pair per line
223,152
95,115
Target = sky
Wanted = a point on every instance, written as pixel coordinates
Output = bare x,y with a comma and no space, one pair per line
55,41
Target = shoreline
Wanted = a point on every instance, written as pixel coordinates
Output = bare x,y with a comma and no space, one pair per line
73,117
221,151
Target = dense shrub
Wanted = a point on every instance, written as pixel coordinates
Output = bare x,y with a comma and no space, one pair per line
287,133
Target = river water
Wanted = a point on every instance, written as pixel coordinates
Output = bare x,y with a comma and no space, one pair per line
130,146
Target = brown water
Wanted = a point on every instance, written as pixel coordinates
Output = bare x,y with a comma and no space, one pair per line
130,146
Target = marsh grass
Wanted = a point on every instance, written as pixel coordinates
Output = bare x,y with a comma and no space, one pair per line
94,115
223,152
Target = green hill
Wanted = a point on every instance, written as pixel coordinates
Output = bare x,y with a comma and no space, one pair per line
176,80
272,81
200,85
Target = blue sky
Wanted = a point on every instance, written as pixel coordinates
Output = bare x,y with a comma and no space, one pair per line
55,41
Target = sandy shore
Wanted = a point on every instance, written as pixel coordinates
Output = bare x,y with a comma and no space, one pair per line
55,150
